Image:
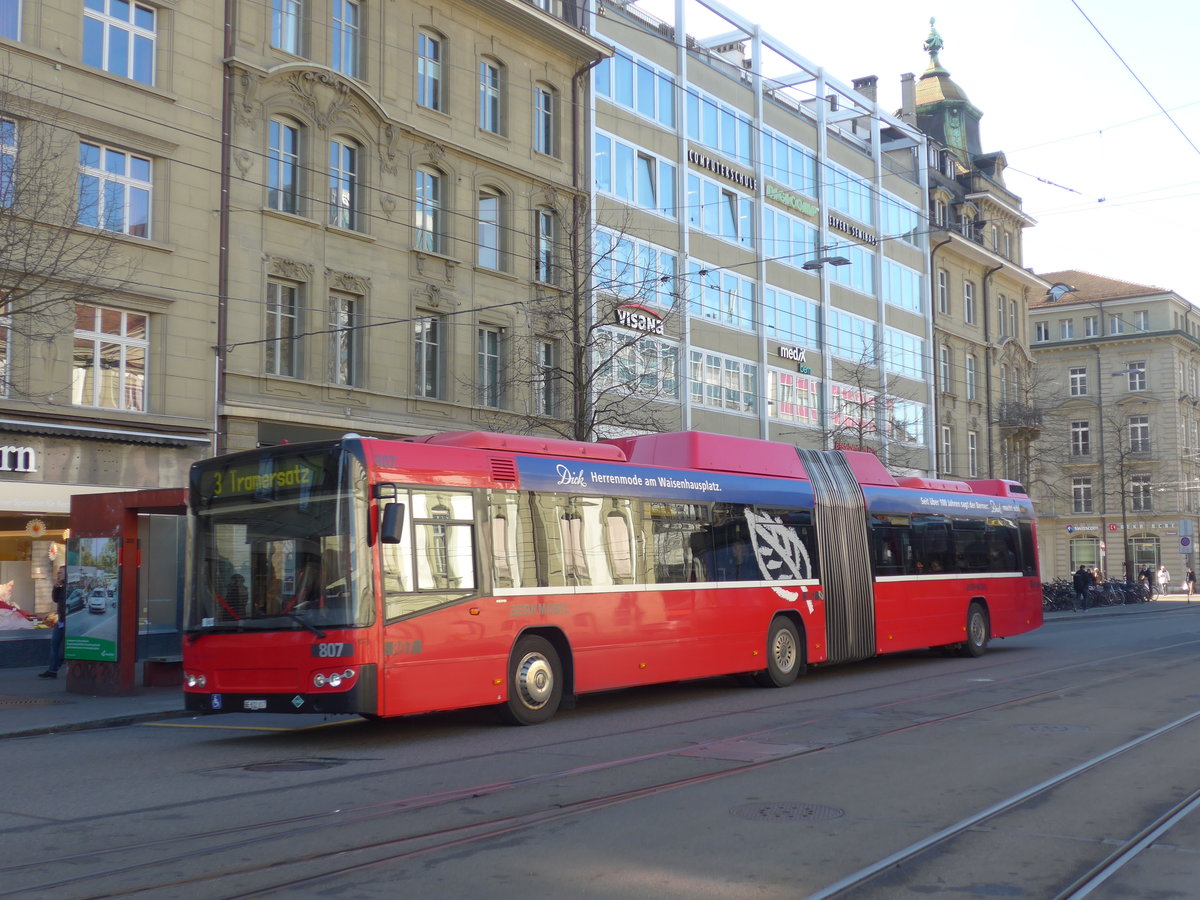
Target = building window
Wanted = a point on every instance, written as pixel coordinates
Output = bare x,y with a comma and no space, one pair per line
1136,372
718,210
487,366
428,210
969,302
972,376
283,167
286,21
1091,326
1041,331
1066,329
723,382
545,100
109,367
283,310
850,337
637,85
793,398
1141,320
1081,438
545,378
721,295
347,22
1008,245
943,292
489,96
972,454
344,325
489,231
8,162
634,175
546,262
1139,492
10,19
639,365
428,356
114,190
1116,324
947,450
1139,434
119,37
429,71
946,368
1012,319
343,185
5,348
1081,494
1079,385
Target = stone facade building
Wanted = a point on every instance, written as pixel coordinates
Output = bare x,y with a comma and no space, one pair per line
981,290
1117,466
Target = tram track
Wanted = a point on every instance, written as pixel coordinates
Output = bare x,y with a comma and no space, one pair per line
399,849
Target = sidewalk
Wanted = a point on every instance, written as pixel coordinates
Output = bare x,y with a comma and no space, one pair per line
30,705
1165,603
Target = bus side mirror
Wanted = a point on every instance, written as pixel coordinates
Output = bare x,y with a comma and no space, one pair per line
393,523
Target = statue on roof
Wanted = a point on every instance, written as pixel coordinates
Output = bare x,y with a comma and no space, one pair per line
934,43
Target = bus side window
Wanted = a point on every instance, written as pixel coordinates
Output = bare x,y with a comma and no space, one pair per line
505,524
1028,553
680,542
396,569
443,523
794,538
890,548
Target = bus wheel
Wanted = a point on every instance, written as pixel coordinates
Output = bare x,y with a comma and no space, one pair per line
977,632
785,657
535,682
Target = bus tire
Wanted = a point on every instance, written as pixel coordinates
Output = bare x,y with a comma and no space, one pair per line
535,682
785,655
978,632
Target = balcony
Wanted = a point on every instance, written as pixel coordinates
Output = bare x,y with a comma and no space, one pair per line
1019,416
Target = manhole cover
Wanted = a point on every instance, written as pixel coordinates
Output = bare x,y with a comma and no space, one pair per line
21,702
1051,729
294,765
787,812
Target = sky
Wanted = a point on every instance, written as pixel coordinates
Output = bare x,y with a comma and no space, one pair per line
1094,103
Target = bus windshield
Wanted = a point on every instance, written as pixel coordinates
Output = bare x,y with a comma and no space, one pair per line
277,542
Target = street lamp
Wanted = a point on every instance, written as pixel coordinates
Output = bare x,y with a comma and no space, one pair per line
814,264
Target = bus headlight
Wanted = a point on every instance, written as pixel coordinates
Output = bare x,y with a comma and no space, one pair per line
334,679
192,680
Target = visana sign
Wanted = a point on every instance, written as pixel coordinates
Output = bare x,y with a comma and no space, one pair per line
639,318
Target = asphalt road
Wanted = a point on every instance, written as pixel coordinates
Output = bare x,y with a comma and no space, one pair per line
1062,763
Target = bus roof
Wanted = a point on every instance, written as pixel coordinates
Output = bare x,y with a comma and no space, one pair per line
744,456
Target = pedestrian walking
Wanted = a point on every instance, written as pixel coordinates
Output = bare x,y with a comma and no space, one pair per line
1081,582
1189,581
1164,579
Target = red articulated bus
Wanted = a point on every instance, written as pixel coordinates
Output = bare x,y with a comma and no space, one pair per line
393,577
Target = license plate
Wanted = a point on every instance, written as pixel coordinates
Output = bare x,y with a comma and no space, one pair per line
254,704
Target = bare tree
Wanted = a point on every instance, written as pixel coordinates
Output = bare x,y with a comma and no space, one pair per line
864,415
595,357
47,261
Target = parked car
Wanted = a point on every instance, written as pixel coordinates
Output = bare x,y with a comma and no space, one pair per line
76,601
98,601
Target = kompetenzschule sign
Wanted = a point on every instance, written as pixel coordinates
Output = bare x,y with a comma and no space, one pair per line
639,318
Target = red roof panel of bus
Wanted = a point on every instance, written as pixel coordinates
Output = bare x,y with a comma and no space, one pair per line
524,444
745,456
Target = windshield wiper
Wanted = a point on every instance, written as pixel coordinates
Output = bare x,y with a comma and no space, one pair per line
307,624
